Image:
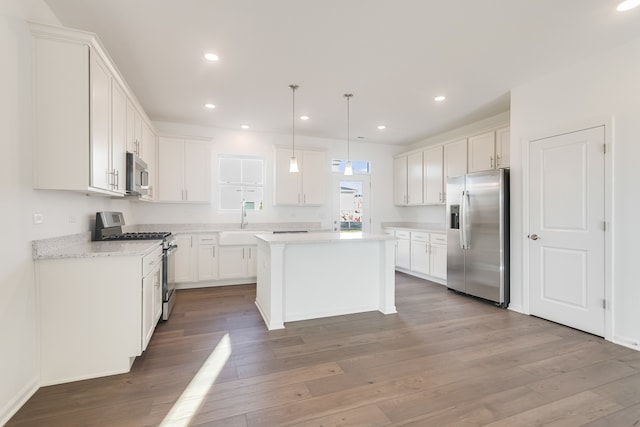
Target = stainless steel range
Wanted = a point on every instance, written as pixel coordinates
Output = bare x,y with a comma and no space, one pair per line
109,227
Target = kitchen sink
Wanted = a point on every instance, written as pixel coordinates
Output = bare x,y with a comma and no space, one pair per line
239,237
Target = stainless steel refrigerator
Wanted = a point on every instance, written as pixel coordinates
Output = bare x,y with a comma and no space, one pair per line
478,235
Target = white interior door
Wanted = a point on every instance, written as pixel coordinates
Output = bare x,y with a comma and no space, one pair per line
351,203
566,229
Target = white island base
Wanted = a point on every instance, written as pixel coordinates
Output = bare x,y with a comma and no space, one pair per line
312,275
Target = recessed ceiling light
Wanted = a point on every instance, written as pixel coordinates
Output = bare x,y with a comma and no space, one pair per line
244,126
209,106
304,117
382,127
439,98
211,57
627,5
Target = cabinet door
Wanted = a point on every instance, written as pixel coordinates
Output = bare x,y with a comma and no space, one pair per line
197,167
400,181
149,310
314,178
455,158
288,185
403,254
233,264
414,179
118,135
438,261
503,148
185,264
420,257
171,168
207,258
148,154
252,261
433,176
133,121
100,123
482,152
157,297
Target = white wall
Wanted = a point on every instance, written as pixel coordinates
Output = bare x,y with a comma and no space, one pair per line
64,213
261,145
601,87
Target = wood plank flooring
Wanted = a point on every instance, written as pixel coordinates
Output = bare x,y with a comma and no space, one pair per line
443,360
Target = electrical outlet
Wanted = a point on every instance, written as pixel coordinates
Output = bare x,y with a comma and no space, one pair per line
38,218
72,219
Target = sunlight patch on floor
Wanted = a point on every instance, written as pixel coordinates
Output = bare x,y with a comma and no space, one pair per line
187,405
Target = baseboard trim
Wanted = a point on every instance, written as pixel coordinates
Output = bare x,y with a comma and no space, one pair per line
626,342
18,401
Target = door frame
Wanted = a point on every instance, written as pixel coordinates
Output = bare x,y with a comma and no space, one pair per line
608,123
336,177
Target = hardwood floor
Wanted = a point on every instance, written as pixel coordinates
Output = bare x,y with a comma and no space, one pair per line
443,360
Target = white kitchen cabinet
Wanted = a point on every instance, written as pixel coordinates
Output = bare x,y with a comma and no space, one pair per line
438,255
184,170
151,295
77,114
134,129
403,249
207,257
148,154
408,179
305,188
503,147
455,158
433,172
90,314
238,262
186,258
400,181
482,152
420,256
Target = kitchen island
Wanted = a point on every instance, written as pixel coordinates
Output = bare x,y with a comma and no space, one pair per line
311,275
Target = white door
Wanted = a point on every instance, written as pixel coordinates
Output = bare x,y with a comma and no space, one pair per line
566,229
351,202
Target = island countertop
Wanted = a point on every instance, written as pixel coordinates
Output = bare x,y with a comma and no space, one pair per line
321,237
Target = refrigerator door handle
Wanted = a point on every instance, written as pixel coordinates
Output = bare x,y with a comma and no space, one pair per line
461,225
464,219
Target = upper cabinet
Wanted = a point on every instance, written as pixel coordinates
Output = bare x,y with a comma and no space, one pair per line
184,170
408,179
305,188
489,150
80,110
433,172
503,148
455,158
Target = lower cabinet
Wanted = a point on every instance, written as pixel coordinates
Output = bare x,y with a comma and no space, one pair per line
207,257
95,314
151,295
186,257
421,253
238,262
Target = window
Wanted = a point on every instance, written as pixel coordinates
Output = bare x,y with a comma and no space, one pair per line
359,166
241,179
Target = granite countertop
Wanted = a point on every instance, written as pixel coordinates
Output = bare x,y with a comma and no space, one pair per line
81,246
321,237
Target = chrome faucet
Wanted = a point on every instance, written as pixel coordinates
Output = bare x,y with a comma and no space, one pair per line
243,222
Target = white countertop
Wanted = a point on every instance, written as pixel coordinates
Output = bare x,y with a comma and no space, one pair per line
321,237
99,249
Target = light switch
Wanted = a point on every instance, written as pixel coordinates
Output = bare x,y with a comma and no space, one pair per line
38,218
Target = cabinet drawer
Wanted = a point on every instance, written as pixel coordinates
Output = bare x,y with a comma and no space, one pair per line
208,239
419,236
439,239
403,234
151,261
388,232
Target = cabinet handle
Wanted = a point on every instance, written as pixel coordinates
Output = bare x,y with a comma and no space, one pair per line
191,242
186,194
304,199
491,161
117,173
497,161
242,253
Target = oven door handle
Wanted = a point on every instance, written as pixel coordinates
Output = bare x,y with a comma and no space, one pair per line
171,249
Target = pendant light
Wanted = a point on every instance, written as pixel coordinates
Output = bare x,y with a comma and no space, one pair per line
293,162
348,168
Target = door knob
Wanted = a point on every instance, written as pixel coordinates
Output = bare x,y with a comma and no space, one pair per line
534,237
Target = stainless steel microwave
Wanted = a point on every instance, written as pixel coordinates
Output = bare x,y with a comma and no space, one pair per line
137,175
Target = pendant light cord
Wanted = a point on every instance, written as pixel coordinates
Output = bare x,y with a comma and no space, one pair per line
348,96
293,119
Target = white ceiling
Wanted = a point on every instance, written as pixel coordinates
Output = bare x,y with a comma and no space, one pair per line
395,56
